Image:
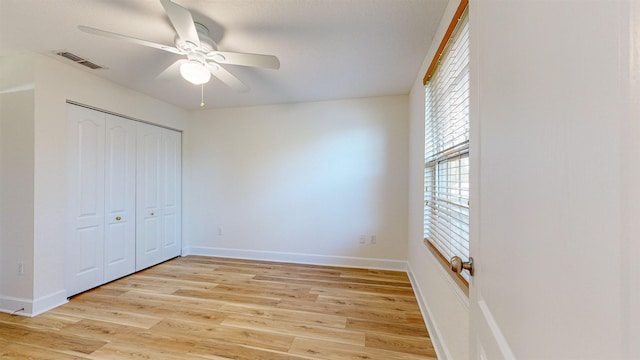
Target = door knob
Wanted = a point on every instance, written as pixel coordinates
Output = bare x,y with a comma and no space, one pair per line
118,218
152,214
457,265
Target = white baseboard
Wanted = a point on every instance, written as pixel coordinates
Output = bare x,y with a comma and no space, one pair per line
434,333
346,261
28,307
48,302
16,306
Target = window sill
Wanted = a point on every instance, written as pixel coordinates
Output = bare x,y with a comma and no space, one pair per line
456,278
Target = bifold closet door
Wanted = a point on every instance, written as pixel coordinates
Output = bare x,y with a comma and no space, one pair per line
84,266
148,191
120,198
171,194
158,184
100,198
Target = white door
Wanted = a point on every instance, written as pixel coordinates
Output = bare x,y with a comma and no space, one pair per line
171,194
85,199
149,246
552,213
120,200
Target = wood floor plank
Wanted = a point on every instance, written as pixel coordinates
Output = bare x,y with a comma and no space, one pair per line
213,278
388,328
221,350
356,278
179,282
266,290
54,341
303,317
159,309
64,342
329,284
404,344
14,332
294,328
100,330
361,301
200,303
131,350
395,276
375,314
133,283
113,315
198,307
251,337
47,321
228,297
10,350
335,351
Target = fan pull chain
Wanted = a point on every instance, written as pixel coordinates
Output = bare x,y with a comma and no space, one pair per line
202,96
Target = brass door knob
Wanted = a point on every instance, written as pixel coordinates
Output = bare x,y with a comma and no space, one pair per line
118,218
457,265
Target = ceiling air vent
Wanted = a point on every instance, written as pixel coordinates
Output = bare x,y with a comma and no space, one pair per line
77,59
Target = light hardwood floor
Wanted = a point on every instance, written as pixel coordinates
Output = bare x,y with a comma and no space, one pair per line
213,308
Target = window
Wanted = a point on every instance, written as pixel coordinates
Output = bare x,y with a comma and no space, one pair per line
446,170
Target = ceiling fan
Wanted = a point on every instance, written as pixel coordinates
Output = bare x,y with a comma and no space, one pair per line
203,58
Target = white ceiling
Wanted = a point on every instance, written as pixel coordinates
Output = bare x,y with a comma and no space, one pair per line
328,49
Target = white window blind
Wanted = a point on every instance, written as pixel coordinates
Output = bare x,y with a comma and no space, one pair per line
446,173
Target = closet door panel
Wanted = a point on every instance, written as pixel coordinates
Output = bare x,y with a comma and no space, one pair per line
148,194
150,243
120,198
171,194
85,199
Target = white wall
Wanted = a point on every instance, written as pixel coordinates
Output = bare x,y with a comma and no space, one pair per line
631,154
445,305
299,182
55,83
16,180
16,193
2,208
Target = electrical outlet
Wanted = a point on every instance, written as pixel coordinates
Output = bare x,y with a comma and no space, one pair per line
363,239
373,239
20,268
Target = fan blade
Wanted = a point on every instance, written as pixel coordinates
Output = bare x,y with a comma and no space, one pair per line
130,39
172,71
226,77
244,59
182,22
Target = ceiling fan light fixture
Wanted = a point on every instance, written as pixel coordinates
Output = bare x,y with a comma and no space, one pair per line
195,72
